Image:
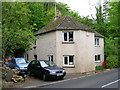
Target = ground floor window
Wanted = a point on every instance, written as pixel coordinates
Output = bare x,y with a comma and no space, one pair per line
35,57
26,56
68,60
97,58
50,58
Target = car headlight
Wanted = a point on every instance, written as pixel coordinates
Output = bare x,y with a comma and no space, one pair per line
63,71
53,72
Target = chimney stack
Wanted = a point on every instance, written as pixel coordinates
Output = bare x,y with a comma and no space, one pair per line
58,14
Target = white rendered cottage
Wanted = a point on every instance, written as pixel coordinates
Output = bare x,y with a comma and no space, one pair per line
70,44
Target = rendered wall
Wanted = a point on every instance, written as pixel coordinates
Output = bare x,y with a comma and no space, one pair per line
83,50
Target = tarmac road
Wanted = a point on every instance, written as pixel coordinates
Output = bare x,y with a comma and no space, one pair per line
107,79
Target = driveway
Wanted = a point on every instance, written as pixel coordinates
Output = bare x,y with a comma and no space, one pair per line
34,81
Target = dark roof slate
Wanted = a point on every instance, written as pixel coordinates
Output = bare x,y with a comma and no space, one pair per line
65,22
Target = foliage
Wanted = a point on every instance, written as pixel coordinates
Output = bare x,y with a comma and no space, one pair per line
99,68
17,32
111,46
112,62
19,22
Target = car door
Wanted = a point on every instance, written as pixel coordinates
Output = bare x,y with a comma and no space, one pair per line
31,67
38,68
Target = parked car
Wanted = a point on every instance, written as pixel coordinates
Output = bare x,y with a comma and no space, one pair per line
46,69
19,63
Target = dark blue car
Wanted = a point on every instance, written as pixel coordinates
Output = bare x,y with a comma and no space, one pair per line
46,69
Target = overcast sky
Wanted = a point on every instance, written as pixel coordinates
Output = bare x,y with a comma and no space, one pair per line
84,7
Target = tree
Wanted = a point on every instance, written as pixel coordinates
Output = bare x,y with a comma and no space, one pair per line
17,32
20,20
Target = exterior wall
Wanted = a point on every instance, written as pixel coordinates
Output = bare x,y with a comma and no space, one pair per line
82,49
100,50
45,46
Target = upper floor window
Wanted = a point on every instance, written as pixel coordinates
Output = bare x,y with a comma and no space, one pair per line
96,41
67,36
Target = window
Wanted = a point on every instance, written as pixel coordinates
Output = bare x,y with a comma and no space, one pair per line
97,58
35,57
67,36
50,58
21,61
35,42
37,63
68,60
96,41
26,56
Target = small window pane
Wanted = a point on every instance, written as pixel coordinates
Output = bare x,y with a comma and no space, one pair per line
65,36
98,57
70,36
95,57
52,58
65,60
97,41
35,42
71,60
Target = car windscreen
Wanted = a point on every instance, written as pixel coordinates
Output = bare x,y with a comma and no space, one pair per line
47,63
20,61
43,64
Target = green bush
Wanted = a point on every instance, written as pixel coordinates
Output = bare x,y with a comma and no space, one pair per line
112,62
99,68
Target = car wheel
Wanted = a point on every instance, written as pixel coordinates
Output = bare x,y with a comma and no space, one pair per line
44,77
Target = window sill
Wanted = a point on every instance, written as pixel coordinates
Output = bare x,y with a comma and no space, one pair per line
97,45
68,66
68,42
97,61
34,46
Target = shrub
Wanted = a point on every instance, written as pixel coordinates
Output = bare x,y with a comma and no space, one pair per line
99,68
112,62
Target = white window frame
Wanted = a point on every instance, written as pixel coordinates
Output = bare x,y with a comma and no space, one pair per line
68,60
97,42
27,56
97,58
68,37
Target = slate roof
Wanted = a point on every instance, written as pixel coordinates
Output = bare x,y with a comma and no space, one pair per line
66,22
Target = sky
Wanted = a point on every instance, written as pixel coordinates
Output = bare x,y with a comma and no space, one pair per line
83,7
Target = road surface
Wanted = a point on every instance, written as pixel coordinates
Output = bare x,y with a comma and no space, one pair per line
107,79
